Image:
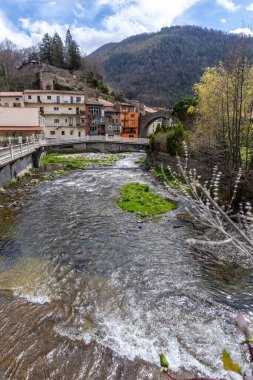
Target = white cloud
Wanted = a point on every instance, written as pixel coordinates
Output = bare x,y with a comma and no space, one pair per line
9,31
223,20
229,5
126,18
144,16
246,31
250,7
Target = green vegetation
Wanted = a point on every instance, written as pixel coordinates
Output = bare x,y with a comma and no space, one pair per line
166,175
142,161
178,53
178,183
168,140
138,198
69,162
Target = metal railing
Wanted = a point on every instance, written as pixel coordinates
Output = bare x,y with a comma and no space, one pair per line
12,152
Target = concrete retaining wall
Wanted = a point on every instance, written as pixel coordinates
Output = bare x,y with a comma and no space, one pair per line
15,168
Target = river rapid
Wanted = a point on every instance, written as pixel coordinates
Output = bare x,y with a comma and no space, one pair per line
87,291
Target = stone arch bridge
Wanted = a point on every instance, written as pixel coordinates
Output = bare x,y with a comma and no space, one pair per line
146,120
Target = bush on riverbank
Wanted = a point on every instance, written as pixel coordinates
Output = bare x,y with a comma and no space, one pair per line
168,141
137,197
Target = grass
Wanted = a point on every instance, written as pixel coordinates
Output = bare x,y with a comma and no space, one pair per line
142,161
171,181
80,162
138,198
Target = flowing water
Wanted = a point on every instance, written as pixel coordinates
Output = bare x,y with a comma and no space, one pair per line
89,292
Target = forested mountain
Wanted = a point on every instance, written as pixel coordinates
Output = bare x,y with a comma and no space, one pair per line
159,68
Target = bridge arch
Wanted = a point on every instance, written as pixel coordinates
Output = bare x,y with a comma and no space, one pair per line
146,120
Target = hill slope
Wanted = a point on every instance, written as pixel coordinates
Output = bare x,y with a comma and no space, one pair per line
159,68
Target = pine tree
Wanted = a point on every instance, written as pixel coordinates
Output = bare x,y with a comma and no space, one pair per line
46,49
72,53
57,51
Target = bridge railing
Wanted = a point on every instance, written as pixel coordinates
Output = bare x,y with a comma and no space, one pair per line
85,139
12,152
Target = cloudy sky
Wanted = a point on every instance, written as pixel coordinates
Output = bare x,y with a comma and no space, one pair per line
96,22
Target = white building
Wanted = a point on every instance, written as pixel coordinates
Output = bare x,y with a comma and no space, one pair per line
11,99
64,112
20,121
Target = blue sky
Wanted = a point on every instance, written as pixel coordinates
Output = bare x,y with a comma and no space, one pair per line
96,22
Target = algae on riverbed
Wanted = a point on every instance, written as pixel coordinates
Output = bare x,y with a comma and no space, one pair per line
69,162
137,197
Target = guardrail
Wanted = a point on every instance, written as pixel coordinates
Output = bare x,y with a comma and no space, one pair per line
12,152
97,139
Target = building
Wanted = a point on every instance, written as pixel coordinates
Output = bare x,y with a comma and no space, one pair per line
154,125
11,99
64,112
95,117
112,121
20,121
129,119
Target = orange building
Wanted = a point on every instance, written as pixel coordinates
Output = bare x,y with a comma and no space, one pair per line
129,119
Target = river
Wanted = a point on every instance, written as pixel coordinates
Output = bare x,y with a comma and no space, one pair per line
89,292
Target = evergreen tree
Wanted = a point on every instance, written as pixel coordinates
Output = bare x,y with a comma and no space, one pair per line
72,53
57,51
46,49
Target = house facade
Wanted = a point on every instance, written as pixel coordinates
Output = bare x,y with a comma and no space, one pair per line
11,99
64,111
21,122
112,122
129,119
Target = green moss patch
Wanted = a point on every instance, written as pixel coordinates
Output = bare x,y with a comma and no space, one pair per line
137,197
70,162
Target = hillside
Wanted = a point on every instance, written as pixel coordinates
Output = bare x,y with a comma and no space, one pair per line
159,68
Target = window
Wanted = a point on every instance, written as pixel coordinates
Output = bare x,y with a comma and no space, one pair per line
63,133
82,121
41,109
66,120
29,96
71,132
70,121
132,115
78,99
49,97
78,121
56,108
132,122
70,109
17,99
56,120
52,132
16,104
79,134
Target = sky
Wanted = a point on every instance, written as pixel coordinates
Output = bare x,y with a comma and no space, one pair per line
94,23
